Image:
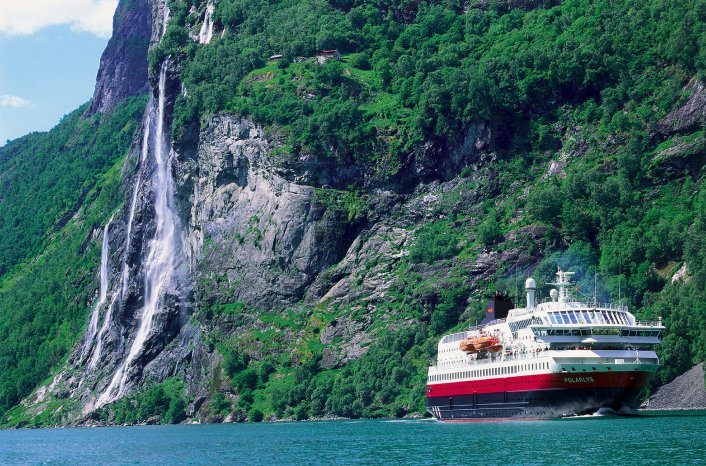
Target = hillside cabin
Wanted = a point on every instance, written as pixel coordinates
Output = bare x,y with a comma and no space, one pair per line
323,55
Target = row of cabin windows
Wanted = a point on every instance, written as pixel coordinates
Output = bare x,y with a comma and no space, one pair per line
489,372
597,331
520,324
454,337
588,317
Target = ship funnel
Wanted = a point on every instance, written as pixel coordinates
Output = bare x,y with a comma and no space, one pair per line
530,286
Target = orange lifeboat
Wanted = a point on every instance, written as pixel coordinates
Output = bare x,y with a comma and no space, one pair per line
484,342
479,344
494,349
467,346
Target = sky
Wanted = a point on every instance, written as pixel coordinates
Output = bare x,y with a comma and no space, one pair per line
49,56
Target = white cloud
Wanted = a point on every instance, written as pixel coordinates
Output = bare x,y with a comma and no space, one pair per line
24,17
13,101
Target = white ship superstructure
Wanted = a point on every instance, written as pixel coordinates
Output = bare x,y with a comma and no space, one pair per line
557,358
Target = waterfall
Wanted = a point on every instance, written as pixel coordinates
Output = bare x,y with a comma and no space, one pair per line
145,150
125,271
163,248
206,33
165,17
103,293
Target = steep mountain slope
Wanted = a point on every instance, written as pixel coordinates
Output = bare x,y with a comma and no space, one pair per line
58,189
297,232
123,69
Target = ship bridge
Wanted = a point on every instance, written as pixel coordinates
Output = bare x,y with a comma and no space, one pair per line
564,322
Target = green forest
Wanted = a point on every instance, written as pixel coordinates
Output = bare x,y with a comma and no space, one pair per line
585,80
58,188
547,76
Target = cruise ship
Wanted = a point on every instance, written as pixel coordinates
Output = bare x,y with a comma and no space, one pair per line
558,358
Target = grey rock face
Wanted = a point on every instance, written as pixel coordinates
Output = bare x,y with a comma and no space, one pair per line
434,161
258,236
690,115
123,67
685,392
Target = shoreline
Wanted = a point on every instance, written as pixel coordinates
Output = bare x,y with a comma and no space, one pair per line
643,412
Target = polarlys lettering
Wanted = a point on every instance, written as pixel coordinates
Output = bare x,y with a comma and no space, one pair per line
578,379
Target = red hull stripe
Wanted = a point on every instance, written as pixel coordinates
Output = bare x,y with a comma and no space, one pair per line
562,380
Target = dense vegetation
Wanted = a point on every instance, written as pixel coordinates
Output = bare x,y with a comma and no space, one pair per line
415,71
46,177
583,81
57,189
162,403
579,82
388,381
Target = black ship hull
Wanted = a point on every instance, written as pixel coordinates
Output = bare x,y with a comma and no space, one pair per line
533,404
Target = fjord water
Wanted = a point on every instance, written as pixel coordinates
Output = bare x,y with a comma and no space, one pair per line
652,439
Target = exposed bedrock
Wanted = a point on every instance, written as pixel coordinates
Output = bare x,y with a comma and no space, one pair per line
123,66
689,116
685,392
255,229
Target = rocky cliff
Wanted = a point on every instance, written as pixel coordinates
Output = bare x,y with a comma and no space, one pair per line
685,392
123,66
259,275
266,235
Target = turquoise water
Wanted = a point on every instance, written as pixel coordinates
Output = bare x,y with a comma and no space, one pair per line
655,439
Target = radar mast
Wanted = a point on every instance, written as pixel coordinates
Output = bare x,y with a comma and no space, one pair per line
563,280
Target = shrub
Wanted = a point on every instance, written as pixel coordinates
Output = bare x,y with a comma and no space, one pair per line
434,241
360,61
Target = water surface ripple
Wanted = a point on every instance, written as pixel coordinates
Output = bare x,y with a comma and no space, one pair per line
654,439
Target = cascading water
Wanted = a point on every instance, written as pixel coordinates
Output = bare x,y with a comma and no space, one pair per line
103,293
124,274
206,32
125,270
163,248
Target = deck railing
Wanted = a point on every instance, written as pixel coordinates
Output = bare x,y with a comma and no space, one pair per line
513,356
649,323
523,356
